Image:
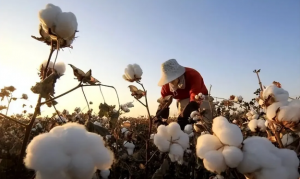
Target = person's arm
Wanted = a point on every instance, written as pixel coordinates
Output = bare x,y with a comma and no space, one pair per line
197,85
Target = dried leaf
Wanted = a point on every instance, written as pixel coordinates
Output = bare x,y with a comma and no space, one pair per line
138,94
2,107
10,88
84,77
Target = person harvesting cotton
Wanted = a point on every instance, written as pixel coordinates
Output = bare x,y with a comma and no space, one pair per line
183,84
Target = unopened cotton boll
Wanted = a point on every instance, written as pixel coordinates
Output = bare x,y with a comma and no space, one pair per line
214,161
60,67
232,155
206,143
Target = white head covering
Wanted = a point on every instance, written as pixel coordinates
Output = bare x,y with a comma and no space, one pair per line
170,70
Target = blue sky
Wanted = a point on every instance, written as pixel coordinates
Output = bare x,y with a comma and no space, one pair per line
224,40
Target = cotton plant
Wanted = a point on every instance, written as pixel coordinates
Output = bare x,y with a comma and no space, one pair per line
252,114
57,25
279,109
77,153
173,140
221,150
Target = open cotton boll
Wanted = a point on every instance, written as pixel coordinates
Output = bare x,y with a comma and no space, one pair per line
279,93
289,113
163,131
161,142
188,128
261,125
183,140
206,143
174,130
46,175
230,134
81,166
277,173
42,156
232,155
255,124
66,25
271,110
60,67
105,174
219,123
177,151
129,146
97,123
44,64
129,72
287,139
137,70
48,16
214,161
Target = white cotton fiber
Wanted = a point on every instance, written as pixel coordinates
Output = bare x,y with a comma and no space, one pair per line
271,110
214,161
257,124
60,67
206,143
177,151
188,128
174,130
44,64
48,16
287,139
137,70
232,155
278,93
66,25
67,152
289,113
161,142
104,174
230,134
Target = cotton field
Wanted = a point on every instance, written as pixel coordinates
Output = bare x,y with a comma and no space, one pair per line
258,139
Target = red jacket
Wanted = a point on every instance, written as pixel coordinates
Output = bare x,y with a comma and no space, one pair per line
194,85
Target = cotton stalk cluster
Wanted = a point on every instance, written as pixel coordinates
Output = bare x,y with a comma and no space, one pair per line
262,160
55,22
173,140
279,109
133,72
67,152
221,150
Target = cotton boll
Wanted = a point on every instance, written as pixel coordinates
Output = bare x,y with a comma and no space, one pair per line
163,131
289,113
278,173
60,67
129,146
278,93
232,155
177,151
44,64
43,156
161,142
174,130
105,174
66,25
56,175
214,161
103,158
137,70
219,123
206,143
231,135
81,166
97,123
129,72
75,134
253,125
194,114
261,125
188,128
287,139
48,16
271,110
255,116
183,140
294,102
248,164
